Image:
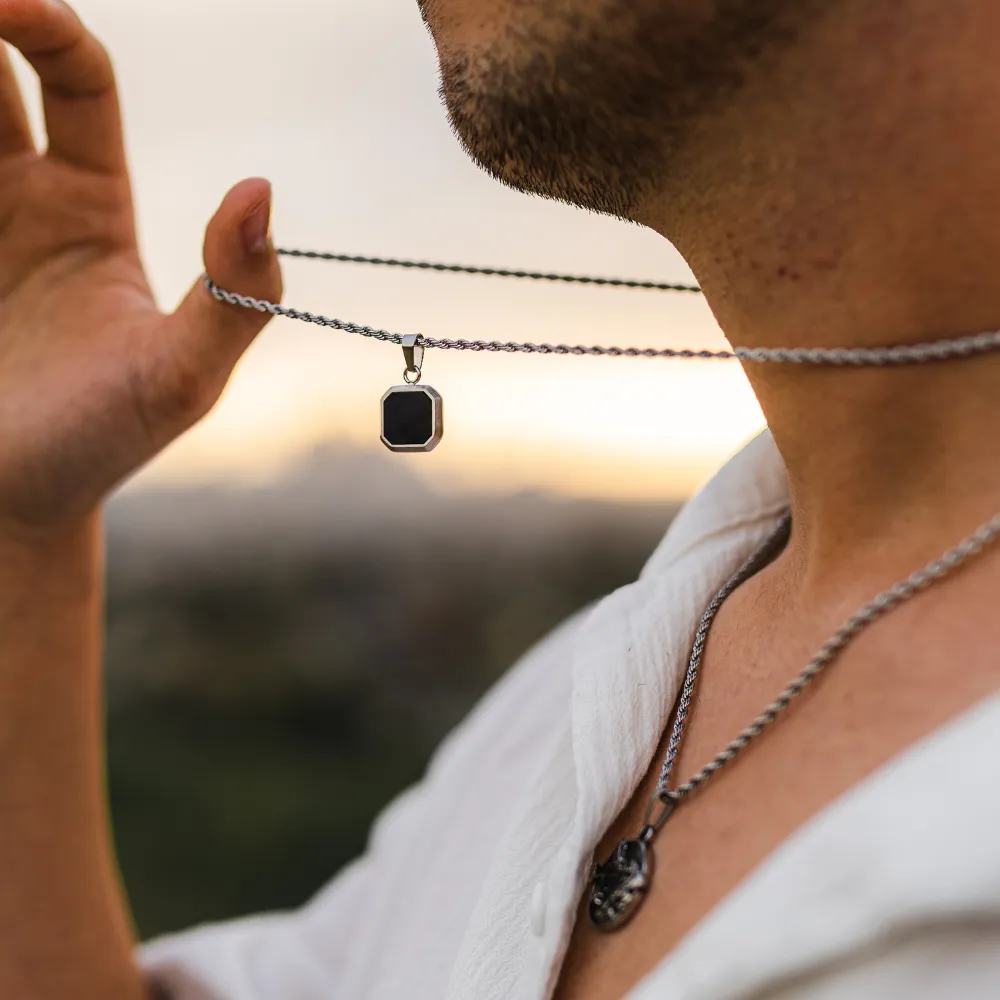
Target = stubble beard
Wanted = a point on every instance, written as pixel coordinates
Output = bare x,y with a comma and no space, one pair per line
601,112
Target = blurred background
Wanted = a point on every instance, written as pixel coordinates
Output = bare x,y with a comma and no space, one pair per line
296,616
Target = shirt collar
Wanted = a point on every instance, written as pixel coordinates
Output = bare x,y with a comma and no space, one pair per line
750,487
628,655
631,651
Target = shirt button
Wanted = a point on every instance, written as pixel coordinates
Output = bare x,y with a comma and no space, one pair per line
539,904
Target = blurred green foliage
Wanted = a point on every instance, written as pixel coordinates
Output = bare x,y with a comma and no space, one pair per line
267,698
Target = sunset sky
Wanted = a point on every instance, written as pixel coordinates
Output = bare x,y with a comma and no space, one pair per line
336,103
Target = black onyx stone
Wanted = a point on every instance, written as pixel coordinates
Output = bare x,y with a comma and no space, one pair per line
411,418
408,418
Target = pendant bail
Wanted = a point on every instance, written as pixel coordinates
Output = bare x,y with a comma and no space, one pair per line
413,356
660,808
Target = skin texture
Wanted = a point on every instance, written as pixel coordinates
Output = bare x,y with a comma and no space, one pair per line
94,380
586,101
832,173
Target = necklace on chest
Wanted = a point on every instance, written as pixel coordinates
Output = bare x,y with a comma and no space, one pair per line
619,884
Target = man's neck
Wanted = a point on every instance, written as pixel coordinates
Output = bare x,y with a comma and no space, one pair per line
832,219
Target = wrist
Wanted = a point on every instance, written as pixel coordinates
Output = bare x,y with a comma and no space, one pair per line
55,562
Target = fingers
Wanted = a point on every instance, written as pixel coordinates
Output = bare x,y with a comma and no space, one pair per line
240,258
82,115
15,132
204,339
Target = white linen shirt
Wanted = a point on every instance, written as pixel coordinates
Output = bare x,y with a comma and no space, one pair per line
469,887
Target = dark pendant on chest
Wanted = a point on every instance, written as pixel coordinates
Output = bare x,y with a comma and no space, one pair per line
412,418
618,887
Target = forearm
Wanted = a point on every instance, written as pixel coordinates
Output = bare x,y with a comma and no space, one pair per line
64,927
94,381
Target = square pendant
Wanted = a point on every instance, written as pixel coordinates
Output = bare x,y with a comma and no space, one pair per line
412,418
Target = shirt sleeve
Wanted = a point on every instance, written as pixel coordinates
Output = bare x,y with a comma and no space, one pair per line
329,949
939,962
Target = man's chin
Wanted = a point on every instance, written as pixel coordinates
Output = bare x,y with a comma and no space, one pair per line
535,141
601,109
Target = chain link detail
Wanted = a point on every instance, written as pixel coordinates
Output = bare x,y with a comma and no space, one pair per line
866,615
261,305
493,272
903,354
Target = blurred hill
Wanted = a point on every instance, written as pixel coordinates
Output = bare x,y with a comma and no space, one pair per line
283,659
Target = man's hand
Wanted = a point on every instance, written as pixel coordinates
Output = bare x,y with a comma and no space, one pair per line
94,380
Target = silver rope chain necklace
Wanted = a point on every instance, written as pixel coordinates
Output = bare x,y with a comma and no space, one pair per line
412,421
413,415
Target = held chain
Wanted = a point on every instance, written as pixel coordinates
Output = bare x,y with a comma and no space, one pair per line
935,350
619,885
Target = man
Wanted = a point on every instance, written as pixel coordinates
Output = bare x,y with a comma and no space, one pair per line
831,170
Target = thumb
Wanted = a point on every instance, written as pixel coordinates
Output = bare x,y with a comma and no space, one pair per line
205,338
